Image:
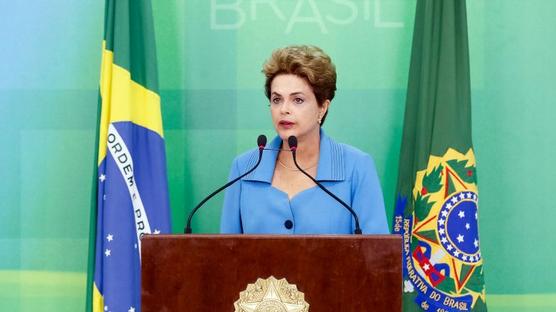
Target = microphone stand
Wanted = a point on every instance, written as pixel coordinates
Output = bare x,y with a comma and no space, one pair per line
261,142
292,142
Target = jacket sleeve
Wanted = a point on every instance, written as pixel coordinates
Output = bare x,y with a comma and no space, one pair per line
367,200
230,220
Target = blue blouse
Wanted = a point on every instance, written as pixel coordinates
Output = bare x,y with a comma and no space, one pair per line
252,205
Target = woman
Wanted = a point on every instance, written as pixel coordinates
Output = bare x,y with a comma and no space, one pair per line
277,198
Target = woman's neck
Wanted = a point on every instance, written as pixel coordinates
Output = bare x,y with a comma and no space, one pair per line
307,153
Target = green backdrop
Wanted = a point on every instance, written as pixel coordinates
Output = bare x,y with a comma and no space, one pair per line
210,55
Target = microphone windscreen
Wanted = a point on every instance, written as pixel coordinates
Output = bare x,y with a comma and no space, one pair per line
261,141
292,142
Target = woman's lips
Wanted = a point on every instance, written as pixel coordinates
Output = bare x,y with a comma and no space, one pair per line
286,124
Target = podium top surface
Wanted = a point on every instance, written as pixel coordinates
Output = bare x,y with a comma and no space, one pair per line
273,237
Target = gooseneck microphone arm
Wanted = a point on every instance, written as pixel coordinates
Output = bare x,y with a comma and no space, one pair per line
261,142
292,142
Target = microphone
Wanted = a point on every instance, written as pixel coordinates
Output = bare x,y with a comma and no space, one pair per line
292,142
261,143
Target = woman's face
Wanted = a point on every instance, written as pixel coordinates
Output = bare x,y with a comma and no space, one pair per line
294,107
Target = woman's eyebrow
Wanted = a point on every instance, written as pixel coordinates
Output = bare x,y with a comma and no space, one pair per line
293,93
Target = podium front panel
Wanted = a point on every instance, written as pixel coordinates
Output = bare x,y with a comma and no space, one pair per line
208,272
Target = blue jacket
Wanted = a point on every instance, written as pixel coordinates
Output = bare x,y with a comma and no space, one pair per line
252,205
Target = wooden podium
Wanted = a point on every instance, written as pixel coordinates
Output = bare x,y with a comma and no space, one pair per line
356,273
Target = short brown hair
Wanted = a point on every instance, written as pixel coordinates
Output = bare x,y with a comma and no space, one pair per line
308,62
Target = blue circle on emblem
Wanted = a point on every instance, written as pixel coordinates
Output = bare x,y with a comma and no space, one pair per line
457,226
462,227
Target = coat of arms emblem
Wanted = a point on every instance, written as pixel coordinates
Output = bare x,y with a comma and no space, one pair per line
442,259
271,295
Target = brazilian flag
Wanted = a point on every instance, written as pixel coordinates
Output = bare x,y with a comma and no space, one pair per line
437,195
132,189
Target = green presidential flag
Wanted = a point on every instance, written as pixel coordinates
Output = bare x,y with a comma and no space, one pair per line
437,196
